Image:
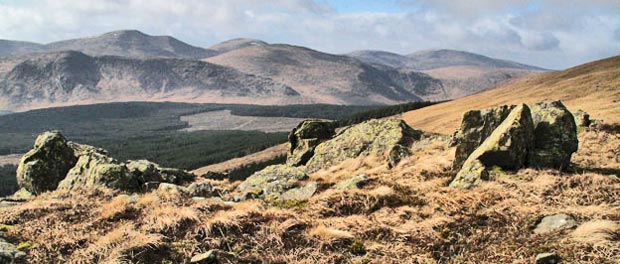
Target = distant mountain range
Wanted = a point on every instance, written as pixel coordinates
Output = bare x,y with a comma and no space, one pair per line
130,65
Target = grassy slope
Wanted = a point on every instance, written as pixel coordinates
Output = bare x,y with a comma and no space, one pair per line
404,215
593,87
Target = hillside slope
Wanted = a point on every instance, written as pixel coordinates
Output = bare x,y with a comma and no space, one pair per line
593,87
63,78
328,78
461,73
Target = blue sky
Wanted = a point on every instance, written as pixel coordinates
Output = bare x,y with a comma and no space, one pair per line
548,33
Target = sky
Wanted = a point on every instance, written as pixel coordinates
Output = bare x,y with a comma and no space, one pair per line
554,34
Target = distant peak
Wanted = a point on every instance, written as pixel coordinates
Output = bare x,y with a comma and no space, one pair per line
237,43
125,33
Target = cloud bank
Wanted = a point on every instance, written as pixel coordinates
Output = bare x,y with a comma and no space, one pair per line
554,34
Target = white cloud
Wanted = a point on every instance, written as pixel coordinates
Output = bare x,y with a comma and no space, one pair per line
553,33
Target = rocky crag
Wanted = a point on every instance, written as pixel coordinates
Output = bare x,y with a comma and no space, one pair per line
55,163
513,137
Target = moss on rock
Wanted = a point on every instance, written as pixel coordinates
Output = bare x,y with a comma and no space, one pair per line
43,167
275,179
556,135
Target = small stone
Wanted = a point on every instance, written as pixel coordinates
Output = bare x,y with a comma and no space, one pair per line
171,188
208,257
301,193
202,189
548,258
355,182
215,175
555,222
22,195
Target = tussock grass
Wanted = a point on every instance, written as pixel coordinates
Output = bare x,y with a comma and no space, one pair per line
406,214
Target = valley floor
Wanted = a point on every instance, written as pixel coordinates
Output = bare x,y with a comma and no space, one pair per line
403,215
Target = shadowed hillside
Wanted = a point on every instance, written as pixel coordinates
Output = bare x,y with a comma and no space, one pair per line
68,78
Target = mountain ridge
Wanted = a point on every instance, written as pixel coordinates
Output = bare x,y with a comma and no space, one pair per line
317,76
59,78
132,43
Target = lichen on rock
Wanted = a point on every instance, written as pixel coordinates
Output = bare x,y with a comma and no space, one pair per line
476,126
55,163
387,139
275,179
507,147
98,169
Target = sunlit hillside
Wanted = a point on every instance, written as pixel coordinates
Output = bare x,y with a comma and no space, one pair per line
593,87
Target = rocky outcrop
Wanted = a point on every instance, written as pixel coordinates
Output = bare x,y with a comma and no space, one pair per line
543,136
43,167
387,139
477,125
507,147
273,180
310,141
147,171
555,135
304,138
96,168
55,163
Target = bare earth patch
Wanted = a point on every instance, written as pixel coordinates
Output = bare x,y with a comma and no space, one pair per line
224,120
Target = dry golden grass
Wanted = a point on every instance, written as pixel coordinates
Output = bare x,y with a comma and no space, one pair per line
598,233
257,157
407,214
593,87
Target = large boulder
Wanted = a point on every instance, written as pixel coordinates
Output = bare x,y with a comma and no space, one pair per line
507,147
43,167
387,139
273,180
477,125
305,137
96,168
555,135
